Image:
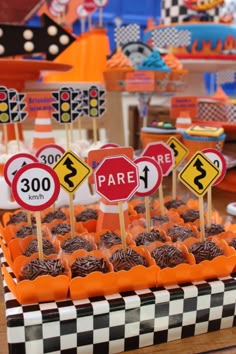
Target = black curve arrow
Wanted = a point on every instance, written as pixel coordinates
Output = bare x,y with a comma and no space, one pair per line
69,164
51,39
198,164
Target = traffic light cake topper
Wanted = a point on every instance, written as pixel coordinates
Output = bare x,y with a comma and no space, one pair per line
66,105
94,97
11,106
51,39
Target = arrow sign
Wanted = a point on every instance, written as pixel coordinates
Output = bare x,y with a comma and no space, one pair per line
50,39
150,176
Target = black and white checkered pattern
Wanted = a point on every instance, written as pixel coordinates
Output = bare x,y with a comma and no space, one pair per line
125,34
120,322
174,11
226,76
211,112
229,8
166,37
231,113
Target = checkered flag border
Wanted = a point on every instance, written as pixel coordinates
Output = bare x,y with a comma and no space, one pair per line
226,76
183,38
125,34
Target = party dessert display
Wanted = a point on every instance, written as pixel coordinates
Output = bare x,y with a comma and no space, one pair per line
115,72
153,73
193,29
179,233
49,217
109,239
190,215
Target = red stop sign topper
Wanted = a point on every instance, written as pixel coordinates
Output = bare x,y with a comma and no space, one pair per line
116,178
163,154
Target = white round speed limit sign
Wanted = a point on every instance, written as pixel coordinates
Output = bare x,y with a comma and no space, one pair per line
150,175
35,186
50,154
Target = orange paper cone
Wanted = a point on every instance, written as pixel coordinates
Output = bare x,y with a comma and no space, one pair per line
108,215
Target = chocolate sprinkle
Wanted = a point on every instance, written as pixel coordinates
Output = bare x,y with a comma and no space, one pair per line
145,238
61,229
25,231
37,267
109,239
205,250
214,229
125,260
174,203
88,264
87,214
168,256
179,233
74,243
53,216
190,215
32,247
19,217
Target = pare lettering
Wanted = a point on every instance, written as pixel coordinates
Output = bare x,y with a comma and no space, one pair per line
118,178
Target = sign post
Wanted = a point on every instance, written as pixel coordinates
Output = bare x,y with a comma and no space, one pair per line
71,171
180,152
198,175
35,187
150,176
164,155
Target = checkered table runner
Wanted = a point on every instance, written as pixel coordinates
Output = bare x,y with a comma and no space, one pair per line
120,322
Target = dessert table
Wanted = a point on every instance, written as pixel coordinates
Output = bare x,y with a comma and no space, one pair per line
180,319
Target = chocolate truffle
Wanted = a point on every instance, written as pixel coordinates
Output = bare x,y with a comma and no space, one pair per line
87,214
75,243
125,260
19,217
49,217
109,239
190,215
37,267
144,238
61,229
168,256
232,243
174,203
88,264
205,250
159,219
25,231
140,208
214,229
32,247
179,233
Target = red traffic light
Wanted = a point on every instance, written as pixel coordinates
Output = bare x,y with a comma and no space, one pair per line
3,96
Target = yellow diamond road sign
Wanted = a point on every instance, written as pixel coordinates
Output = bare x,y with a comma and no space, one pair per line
71,171
180,151
199,174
